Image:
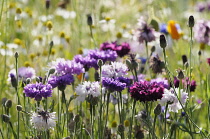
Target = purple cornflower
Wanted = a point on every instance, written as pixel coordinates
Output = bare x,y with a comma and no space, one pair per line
201,6
61,81
161,81
202,32
192,85
87,62
163,28
145,91
38,91
125,80
63,67
123,49
145,32
113,85
108,46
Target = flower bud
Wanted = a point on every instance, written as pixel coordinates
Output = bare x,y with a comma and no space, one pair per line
3,101
139,134
51,71
191,21
13,80
89,20
157,110
8,103
51,44
16,55
5,118
184,59
77,118
153,49
19,108
47,4
199,53
163,42
100,63
28,80
180,74
121,128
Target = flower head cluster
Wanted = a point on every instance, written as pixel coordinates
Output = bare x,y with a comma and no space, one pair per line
145,91
116,69
171,99
61,81
113,76
63,67
202,32
38,90
145,33
122,49
24,73
43,120
87,88
93,56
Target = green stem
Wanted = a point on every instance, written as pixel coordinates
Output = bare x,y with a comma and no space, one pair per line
13,131
131,122
165,122
2,5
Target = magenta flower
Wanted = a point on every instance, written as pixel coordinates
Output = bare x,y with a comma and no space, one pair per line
145,91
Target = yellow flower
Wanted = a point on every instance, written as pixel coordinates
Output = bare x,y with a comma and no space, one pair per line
172,30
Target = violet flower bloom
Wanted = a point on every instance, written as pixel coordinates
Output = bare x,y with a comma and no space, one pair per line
63,67
61,81
113,85
202,32
145,32
23,73
123,49
108,46
87,62
38,91
161,81
192,85
145,91
201,6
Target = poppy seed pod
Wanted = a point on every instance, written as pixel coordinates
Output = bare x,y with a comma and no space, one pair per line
163,42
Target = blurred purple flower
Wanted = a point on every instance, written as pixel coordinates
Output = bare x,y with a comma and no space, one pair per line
87,62
202,32
38,91
208,61
123,49
161,81
108,46
145,91
61,81
113,85
163,28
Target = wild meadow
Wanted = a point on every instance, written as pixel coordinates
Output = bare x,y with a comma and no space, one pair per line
104,69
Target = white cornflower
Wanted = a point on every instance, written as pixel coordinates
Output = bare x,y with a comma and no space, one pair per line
87,88
172,100
43,120
116,69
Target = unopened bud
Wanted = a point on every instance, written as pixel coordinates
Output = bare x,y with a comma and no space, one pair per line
89,20
51,44
3,101
8,103
199,53
121,128
28,80
19,108
5,118
157,110
51,71
180,74
184,59
191,21
153,49
47,4
77,118
13,80
100,63
163,42
16,55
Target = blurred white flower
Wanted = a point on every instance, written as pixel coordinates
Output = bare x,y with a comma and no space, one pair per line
107,24
43,120
65,13
172,100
